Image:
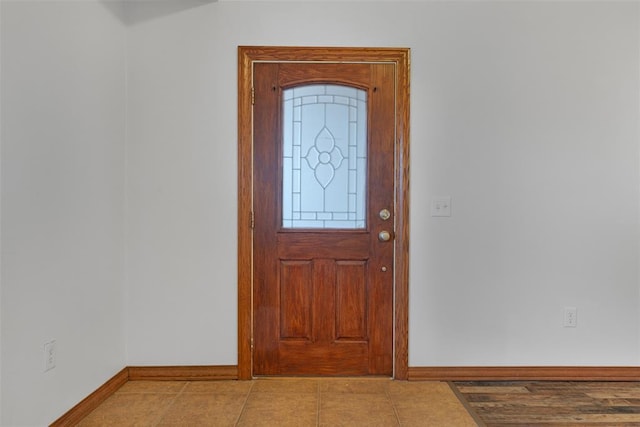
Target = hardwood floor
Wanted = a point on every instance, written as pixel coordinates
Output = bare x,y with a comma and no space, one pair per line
552,403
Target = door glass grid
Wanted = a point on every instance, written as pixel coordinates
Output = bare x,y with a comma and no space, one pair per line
324,157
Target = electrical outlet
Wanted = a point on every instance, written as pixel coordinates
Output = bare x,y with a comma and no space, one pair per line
570,317
49,355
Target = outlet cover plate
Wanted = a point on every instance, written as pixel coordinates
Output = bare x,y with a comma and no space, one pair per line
570,317
49,356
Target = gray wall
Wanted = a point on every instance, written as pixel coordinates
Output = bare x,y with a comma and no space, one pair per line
62,191
118,164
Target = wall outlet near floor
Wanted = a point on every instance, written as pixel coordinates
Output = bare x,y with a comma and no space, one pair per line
570,317
49,355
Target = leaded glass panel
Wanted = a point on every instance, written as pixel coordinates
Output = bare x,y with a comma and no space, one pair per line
324,157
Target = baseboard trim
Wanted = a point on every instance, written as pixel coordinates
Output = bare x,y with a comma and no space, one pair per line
540,373
138,373
91,402
183,373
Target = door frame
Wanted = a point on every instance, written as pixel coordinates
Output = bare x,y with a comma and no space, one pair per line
247,56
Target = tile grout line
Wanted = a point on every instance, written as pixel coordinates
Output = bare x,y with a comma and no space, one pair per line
318,395
244,404
393,404
186,384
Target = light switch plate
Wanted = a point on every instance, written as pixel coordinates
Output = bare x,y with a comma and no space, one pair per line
441,206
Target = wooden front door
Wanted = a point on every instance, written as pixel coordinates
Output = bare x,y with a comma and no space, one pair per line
323,203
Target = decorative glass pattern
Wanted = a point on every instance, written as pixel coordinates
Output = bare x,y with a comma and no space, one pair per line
324,157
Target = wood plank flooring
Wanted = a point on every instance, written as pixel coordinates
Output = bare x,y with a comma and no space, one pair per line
552,403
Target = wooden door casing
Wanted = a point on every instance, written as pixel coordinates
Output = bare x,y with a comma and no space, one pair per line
250,56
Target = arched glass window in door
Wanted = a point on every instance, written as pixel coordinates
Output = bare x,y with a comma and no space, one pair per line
324,157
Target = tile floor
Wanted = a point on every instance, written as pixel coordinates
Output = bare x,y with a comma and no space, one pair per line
282,402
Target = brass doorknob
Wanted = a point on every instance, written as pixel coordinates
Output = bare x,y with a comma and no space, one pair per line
384,236
385,214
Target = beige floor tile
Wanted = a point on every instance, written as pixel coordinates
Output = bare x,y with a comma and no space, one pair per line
349,409
198,409
242,387
285,385
134,409
280,409
399,388
282,402
355,385
428,404
417,412
155,387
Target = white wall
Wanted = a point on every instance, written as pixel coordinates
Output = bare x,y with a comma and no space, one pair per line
531,124
62,192
181,195
526,114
